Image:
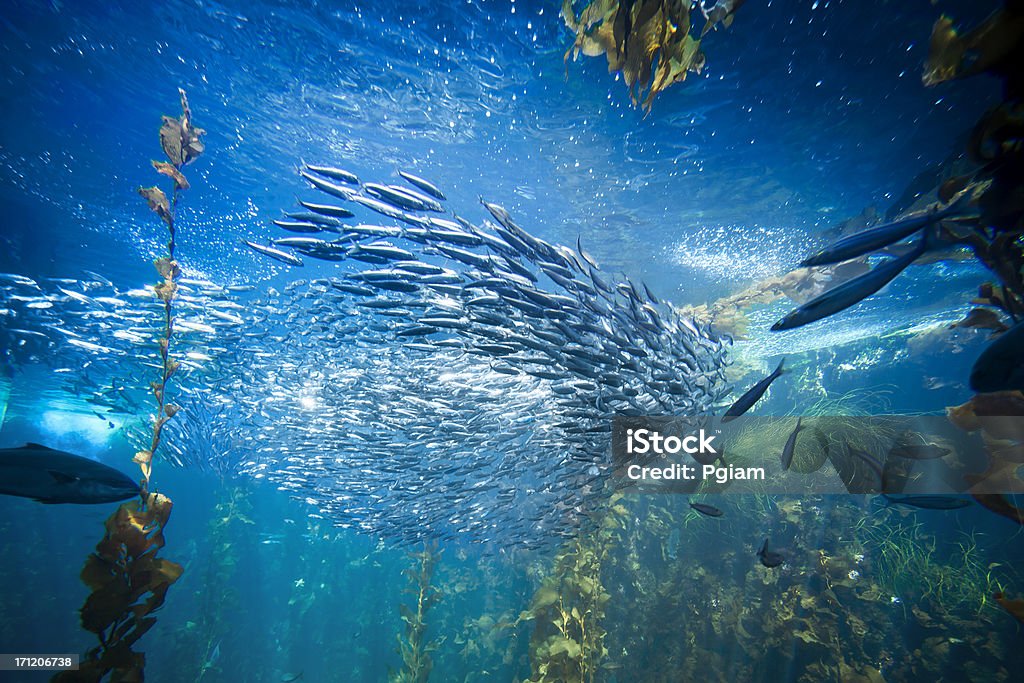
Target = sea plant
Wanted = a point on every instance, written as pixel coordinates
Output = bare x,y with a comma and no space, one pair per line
127,579
568,608
413,646
648,41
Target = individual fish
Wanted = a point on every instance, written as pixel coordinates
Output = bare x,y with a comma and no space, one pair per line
918,451
849,293
212,657
330,188
51,476
313,217
723,12
300,242
299,226
753,394
928,502
876,467
327,209
875,238
787,452
428,203
394,197
769,558
424,185
707,510
282,256
290,677
1000,367
334,173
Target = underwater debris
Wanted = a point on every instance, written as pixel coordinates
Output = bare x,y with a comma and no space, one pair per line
753,394
51,476
638,34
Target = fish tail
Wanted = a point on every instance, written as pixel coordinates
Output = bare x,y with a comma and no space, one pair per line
781,370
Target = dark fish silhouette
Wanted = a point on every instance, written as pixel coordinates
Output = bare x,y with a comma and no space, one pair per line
753,394
787,452
1000,367
928,502
851,292
918,451
51,476
704,509
769,558
876,238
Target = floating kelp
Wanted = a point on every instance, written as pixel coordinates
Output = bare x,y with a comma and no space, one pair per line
648,41
128,583
180,141
127,579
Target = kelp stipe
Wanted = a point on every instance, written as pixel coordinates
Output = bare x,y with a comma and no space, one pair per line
413,646
127,579
569,607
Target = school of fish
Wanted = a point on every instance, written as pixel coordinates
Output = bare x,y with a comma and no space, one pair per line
436,378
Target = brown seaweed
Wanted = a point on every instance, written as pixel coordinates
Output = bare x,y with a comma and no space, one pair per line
648,41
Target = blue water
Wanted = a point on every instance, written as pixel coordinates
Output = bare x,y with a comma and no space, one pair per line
806,114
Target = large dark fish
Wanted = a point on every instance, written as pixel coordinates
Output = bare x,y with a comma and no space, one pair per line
918,451
787,452
708,510
849,293
753,394
882,236
1000,367
882,473
51,476
928,502
769,558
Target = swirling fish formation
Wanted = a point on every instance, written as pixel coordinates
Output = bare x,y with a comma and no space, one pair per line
447,380
469,372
